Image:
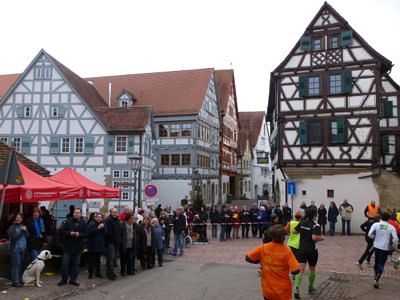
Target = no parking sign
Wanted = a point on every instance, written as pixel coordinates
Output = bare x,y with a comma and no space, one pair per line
150,191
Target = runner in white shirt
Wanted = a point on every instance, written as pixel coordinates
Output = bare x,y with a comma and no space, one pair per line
385,238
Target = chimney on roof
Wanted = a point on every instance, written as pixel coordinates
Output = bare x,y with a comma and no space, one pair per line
109,94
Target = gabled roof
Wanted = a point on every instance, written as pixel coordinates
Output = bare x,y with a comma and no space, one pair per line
5,150
168,93
125,118
224,79
386,63
6,81
251,122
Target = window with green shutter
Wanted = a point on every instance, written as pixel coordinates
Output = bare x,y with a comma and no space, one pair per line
385,144
346,38
89,145
339,131
131,144
54,145
305,43
303,133
110,144
26,145
303,86
387,109
347,82
20,111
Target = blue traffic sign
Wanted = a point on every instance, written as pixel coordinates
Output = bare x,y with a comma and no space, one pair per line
291,188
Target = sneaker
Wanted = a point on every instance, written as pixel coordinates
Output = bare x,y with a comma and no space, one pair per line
297,294
62,282
74,283
311,290
17,285
359,265
376,284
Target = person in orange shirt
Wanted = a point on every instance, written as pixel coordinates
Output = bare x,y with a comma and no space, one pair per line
276,261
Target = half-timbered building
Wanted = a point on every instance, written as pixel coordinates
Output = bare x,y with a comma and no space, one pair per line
254,124
244,167
226,93
187,125
333,116
59,120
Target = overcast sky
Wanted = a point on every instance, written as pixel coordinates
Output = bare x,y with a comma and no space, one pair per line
95,38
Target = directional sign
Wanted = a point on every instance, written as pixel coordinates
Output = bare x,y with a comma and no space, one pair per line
150,191
291,188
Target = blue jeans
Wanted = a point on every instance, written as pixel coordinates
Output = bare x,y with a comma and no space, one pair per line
222,233
111,259
70,266
380,260
16,257
332,228
178,243
344,222
34,253
214,231
160,256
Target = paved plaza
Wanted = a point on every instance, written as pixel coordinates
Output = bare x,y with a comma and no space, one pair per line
219,271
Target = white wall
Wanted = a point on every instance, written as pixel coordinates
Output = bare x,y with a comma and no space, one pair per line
171,192
359,193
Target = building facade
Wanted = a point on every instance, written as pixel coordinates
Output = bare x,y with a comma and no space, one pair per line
244,167
58,120
226,92
333,118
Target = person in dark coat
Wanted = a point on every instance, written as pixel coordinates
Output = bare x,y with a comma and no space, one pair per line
96,243
179,223
165,223
18,234
214,219
128,247
333,213
203,215
254,220
113,241
37,234
70,215
322,217
146,244
245,221
73,232
159,237
287,214
158,210
369,250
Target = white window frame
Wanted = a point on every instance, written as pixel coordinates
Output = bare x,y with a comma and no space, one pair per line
82,144
125,196
27,111
116,174
15,144
54,109
116,144
125,174
62,149
334,86
4,139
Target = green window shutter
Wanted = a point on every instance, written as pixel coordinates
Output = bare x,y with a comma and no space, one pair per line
89,145
346,38
385,144
131,144
303,83
347,80
61,111
20,111
303,133
54,145
388,109
110,144
305,43
26,145
341,136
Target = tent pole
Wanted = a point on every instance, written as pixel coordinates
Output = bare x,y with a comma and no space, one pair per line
5,182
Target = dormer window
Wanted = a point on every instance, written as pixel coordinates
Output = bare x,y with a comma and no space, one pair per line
125,99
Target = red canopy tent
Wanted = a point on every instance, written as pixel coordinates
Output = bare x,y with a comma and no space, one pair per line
90,189
39,188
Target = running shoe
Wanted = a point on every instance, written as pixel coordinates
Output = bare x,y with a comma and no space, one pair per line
297,294
311,290
376,284
359,265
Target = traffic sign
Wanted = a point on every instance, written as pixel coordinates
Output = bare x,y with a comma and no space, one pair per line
150,190
291,188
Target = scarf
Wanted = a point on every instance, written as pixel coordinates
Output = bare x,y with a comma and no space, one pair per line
39,227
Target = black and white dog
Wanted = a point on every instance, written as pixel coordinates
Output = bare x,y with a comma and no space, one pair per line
32,273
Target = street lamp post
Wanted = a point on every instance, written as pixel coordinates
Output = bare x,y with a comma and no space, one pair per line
135,162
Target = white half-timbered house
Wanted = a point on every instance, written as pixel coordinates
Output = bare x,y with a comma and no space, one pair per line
244,166
333,116
59,120
254,124
187,125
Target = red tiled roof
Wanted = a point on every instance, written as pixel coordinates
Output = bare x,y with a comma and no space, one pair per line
6,81
5,150
125,118
251,122
168,93
224,79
